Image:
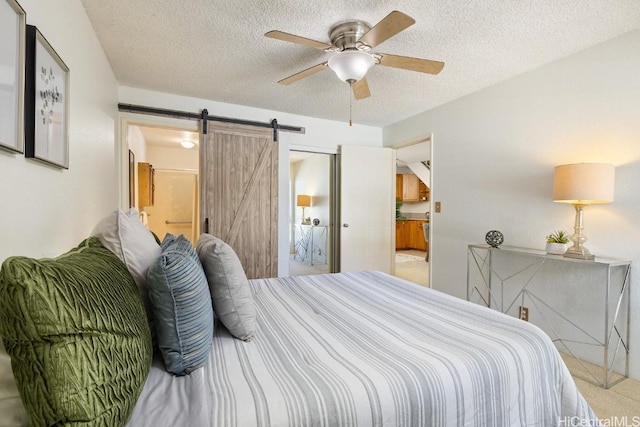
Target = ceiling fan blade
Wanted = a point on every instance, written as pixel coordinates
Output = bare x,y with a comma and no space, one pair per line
298,40
361,89
304,73
414,64
390,25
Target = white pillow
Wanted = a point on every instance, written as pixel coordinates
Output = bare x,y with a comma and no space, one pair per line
126,236
11,406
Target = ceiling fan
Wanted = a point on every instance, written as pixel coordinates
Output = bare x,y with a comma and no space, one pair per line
351,42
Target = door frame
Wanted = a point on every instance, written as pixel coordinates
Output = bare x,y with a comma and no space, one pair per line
432,217
122,150
334,202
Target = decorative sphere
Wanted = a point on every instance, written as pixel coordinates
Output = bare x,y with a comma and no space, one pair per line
494,238
316,221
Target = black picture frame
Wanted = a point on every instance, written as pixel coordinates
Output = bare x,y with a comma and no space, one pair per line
12,57
46,102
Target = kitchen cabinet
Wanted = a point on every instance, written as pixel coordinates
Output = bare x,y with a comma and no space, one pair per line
409,188
398,186
416,236
402,235
146,184
409,235
424,192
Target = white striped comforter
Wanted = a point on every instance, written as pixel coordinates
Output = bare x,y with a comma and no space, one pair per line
369,349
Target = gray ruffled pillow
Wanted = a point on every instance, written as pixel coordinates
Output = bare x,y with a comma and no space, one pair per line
230,292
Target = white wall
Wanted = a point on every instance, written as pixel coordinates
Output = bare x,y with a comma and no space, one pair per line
47,211
172,157
312,177
494,153
137,143
321,135
319,132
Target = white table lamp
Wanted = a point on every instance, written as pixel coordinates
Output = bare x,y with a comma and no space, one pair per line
303,201
582,184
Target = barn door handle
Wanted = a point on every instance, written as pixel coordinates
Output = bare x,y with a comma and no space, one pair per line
206,225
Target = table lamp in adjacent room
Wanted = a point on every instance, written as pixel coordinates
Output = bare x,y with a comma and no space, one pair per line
582,184
303,201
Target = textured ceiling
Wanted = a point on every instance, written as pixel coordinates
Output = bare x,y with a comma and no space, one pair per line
217,50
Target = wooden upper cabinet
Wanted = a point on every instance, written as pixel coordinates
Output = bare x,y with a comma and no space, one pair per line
423,192
146,184
409,188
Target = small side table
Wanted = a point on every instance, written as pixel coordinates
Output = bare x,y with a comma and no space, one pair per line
560,291
311,241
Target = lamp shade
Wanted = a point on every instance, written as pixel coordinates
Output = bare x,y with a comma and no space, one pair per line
584,183
351,65
303,201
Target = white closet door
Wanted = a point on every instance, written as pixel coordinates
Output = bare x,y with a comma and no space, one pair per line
367,208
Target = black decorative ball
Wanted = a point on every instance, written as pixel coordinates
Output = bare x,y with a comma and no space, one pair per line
494,238
316,221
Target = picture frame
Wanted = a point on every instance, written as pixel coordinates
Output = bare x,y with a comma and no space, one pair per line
46,102
12,79
132,179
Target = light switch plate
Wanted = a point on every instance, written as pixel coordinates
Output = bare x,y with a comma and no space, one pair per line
437,207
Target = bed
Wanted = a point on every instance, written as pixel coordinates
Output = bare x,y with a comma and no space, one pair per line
368,349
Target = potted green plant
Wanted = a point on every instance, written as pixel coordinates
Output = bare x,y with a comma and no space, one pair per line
557,242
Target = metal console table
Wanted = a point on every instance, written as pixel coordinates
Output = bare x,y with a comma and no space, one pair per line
311,240
582,305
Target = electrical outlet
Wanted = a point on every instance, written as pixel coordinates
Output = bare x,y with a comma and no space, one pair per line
523,313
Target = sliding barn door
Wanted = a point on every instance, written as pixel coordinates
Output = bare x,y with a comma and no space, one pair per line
239,197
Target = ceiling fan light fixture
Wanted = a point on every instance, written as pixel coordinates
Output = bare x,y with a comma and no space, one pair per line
351,65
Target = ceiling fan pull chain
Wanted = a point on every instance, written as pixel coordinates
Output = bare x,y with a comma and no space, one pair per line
350,104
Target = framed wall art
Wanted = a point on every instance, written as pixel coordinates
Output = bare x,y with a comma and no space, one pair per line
46,102
12,66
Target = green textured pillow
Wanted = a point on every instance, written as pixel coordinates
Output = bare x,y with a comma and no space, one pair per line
77,334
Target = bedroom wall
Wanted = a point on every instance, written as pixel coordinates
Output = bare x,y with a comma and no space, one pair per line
321,136
312,178
46,211
495,150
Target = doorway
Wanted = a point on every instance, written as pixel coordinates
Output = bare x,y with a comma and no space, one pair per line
311,218
168,158
413,248
175,205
